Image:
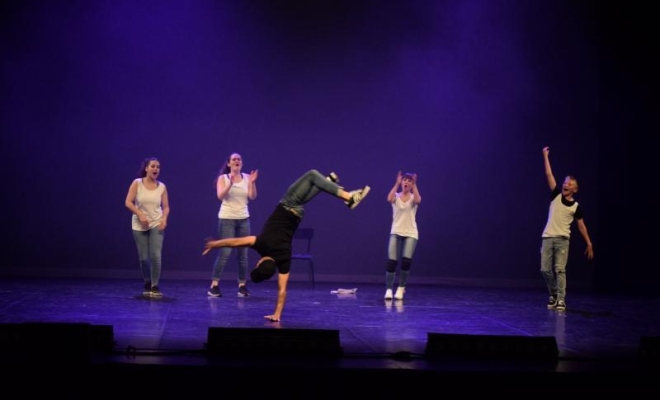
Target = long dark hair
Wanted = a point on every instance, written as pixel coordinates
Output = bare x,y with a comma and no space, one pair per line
143,166
225,169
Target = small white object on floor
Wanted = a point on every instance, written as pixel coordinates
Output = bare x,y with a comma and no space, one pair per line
344,291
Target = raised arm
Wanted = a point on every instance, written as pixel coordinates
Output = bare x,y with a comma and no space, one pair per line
252,184
548,170
417,198
391,196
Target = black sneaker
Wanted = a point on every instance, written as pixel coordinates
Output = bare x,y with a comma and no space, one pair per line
552,303
243,291
155,292
214,291
332,177
147,289
357,196
561,305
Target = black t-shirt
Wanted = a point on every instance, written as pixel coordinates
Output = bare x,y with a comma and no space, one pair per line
276,236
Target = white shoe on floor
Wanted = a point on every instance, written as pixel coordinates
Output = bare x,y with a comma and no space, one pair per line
399,293
388,294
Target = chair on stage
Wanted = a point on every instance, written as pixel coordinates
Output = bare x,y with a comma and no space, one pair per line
303,249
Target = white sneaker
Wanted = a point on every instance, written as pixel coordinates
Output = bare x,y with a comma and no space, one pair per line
388,294
357,196
399,293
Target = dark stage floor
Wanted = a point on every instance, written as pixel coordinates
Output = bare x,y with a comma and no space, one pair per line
437,335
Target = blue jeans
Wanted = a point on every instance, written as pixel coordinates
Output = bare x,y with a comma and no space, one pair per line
150,251
229,228
554,256
306,188
399,248
405,246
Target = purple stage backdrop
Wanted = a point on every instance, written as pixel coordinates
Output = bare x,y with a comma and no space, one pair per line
463,93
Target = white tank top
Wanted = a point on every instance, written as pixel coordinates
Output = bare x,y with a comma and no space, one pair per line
235,204
404,220
148,201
